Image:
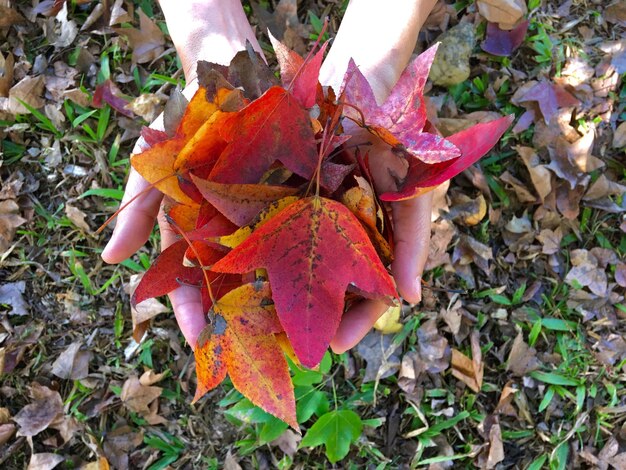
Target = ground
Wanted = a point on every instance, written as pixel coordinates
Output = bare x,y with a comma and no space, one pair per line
516,358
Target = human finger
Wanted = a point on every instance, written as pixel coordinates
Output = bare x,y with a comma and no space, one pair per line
411,225
186,300
135,221
355,324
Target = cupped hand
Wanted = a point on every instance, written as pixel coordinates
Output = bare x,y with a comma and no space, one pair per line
132,229
411,229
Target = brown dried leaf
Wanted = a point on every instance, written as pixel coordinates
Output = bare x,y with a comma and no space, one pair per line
504,12
539,174
620,274
72,364
468,211
10,220
378,351
118,444
137,397
522,358
586,272
603,188
284,24
37,416
44,461
619,137
29,90
6,432
11,294
551,240
288,442
150,377
616,13
6,73
61,32
504,403
144,311
147,42
9,16
469,371
77,217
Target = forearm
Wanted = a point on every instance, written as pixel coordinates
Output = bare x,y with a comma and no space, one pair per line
380,37
213,30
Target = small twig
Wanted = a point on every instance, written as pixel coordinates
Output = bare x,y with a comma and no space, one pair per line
13,448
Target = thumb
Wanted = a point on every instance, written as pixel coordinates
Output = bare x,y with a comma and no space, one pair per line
411,224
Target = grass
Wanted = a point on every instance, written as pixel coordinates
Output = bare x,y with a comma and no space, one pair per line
570,402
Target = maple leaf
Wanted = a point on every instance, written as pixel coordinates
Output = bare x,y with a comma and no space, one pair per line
300,247
166,274
160,164
473,144
243,344
273,127
241,203
247,71
299,76
400,120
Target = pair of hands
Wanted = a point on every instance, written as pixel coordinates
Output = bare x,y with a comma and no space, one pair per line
411,218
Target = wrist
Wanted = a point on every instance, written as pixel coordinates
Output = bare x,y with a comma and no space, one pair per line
212,30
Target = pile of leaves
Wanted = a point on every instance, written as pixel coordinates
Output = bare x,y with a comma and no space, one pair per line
280,223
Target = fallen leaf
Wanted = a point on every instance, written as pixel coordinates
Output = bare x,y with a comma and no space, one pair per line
12,294
147,42
308,288
9,16
6,73
241,203
616,13
494,454
241,342
273,127
77,217
150,377
620,274
469,371
586,273
47,407
72,364
522,357
501,42
468,211
619,136
61,32
504,12
118,443
389,322
146,105
284,24
539,174
44,461
29,90
7,430
145,310
551,240
378,351
137,397
548,96
108,92
288,442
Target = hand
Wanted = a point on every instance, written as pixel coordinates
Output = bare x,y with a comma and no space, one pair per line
411,229
218,38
